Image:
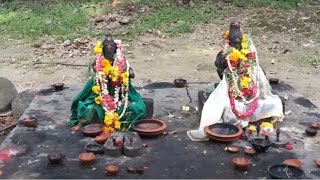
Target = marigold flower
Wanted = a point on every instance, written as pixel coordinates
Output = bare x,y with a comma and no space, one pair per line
98,100
105,63
107,70
226,35
245,82
233,57
99,45
96,89
108,120
97,50
117,124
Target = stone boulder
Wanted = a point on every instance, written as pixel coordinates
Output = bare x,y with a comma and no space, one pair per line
21,102
7,92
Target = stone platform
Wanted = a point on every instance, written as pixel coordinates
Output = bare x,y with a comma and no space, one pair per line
170,156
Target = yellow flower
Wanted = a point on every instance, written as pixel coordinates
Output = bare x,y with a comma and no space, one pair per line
226,35
125,81
245,51
117,124
98,100
239,55
115,74
245,82
233,56
105,63
108,120
96,89
97,50
99,45
115,116
125,76
107,70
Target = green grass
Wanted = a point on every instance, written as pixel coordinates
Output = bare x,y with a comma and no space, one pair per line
172,20
58,19
280,4
70,19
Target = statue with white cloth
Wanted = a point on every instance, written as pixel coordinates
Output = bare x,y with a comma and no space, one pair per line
244,93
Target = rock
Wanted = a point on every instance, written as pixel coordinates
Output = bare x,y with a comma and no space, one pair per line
7,92
21,102
113,25
67,43
133,145
111,149
77,42
124,20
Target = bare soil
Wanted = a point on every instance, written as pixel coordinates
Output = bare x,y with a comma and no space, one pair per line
289,38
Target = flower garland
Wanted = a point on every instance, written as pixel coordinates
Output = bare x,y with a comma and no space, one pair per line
240,66
119,76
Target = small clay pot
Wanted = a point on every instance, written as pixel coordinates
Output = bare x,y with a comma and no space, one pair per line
86,158
293,162
314,125
55,158
30,122
111,169
58,86
241,163
273,80
180,83
250,151
101,139
233,149
95,148
311,131
317,163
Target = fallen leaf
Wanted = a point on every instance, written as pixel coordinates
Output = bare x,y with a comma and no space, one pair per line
286,97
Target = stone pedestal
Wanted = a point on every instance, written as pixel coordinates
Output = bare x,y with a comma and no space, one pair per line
131,145
283,140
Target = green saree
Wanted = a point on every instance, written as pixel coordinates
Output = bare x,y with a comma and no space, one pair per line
83,106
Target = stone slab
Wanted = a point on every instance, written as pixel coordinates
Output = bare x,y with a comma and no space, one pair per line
171,156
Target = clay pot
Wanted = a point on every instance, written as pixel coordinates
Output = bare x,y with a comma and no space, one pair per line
95,148
58,86
311,131
241,163
223,132
317,162
30,122
273,80
111,169
233,149
86,158
250,151
92,130
101,139
55,158
314,125
293,162
180,83
260,145
149,127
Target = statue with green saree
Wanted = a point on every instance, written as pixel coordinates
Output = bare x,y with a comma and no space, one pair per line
108,97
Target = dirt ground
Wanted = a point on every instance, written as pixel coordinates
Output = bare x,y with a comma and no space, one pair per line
289,38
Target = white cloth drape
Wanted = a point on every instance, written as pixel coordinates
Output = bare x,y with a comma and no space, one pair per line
217,108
